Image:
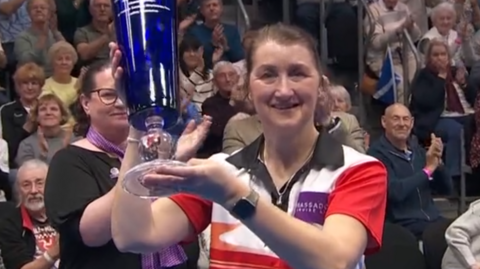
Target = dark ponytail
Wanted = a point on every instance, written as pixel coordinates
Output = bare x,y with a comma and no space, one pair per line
86,85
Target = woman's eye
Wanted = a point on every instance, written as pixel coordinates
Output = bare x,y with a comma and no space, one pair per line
299,74
267,75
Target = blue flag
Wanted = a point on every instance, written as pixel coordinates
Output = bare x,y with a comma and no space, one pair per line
386,91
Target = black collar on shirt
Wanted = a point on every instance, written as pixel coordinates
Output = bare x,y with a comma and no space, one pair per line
328,152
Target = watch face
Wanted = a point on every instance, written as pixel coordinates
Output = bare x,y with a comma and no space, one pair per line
245,207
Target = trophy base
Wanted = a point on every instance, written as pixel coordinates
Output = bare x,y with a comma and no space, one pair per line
132,182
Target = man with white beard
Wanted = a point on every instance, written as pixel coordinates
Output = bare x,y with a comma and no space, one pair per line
26,238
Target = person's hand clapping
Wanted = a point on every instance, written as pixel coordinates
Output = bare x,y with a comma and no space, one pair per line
475,266
434,153
185,23
192,138
461,76
217,35
217,54
54,250
205,178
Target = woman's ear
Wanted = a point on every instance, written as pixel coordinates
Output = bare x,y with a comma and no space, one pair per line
85,102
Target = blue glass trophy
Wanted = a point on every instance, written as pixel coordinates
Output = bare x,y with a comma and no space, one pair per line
147,36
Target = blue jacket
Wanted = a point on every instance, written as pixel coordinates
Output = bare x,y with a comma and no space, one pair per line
409,196
204,34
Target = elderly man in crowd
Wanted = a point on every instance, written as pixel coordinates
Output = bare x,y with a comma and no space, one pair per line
92,40
225,79
26,237
412,172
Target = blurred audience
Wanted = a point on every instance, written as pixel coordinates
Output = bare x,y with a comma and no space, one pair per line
14,19
27,239
5,186
91,41
195,78
443,19
342,126
412,172
16,126
63,58
33,43
225,79
391,19
463,240
72,15
216,37
49,115
442,103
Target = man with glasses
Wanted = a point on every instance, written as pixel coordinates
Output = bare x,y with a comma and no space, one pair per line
412,172
26,237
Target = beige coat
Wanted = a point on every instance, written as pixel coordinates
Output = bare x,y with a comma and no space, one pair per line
240,133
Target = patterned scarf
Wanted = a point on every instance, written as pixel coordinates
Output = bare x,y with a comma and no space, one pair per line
167,257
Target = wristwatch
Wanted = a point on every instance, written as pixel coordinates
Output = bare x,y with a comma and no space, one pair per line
245,207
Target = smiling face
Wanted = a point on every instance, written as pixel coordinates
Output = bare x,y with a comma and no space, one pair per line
284,90
49,114
106,111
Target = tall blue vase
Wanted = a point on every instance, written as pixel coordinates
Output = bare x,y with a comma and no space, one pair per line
147,36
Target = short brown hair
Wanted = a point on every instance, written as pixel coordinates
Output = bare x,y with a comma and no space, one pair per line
29,72
49,97
285,35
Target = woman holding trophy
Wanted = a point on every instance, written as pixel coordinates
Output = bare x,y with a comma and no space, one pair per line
294,198
80,187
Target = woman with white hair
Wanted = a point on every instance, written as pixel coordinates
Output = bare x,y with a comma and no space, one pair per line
341,98
63,58
443,18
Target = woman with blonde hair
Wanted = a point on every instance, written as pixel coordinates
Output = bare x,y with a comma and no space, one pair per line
63,58
49,115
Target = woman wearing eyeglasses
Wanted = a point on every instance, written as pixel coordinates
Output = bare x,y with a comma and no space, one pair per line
78,192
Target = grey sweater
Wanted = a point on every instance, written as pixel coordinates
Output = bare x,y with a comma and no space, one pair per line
463,239
26,51
29,148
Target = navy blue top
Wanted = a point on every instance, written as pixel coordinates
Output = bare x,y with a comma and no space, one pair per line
204,35
409,188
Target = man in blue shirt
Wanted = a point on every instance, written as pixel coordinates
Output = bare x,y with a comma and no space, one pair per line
412,172
215,36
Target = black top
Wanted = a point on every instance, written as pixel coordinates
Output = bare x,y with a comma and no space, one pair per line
76,178
13,116
219,108
428,102
17,239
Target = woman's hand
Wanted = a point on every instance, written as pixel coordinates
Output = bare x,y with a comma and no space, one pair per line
192,138
205,178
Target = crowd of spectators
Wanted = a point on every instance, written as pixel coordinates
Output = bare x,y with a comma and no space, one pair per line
57,83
